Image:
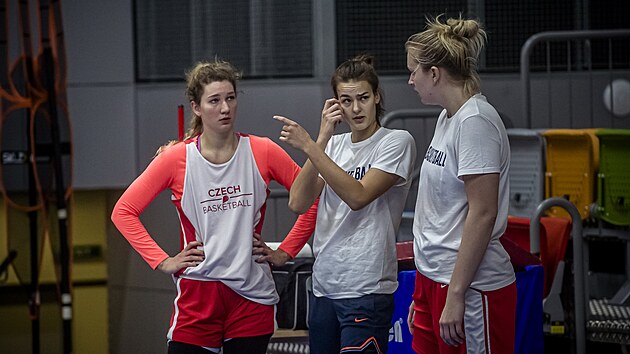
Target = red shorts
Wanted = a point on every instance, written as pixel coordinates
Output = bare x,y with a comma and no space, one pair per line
489,319
205,313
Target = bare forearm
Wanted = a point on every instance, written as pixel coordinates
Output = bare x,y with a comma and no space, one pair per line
476,236
351,191
303,194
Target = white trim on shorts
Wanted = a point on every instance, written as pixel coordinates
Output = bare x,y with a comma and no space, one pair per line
477,322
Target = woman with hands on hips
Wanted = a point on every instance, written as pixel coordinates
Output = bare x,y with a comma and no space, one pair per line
465,295
362,179
218,180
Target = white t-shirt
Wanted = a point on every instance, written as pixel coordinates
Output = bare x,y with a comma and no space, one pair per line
472,141
356,250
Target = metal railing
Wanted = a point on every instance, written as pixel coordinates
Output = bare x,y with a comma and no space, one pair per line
404,115
580,292
568,37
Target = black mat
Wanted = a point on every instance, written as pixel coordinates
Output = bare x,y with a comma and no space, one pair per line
286,345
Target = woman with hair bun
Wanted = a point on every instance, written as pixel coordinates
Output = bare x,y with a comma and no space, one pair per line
465,294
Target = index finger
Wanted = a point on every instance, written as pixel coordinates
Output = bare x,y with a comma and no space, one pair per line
330,102
461,336
284,120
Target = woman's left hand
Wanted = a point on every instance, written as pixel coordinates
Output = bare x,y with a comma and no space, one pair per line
452,321
276,258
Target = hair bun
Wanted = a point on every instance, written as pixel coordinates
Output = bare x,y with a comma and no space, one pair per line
364,58
463,28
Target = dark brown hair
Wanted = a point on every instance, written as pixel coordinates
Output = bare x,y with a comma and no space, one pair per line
359,68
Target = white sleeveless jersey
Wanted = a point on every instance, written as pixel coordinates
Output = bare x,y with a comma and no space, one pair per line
224,217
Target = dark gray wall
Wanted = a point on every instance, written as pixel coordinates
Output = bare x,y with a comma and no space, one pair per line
119,124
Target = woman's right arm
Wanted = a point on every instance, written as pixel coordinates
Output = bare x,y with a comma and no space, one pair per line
126,216
305,190
126,213
308,185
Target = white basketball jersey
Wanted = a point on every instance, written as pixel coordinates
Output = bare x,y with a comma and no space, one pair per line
224,216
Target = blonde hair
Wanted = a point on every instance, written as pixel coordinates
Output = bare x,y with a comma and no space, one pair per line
454,45
202,74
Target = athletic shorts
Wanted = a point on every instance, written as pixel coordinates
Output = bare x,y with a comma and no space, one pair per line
350,325
205,313
489,319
